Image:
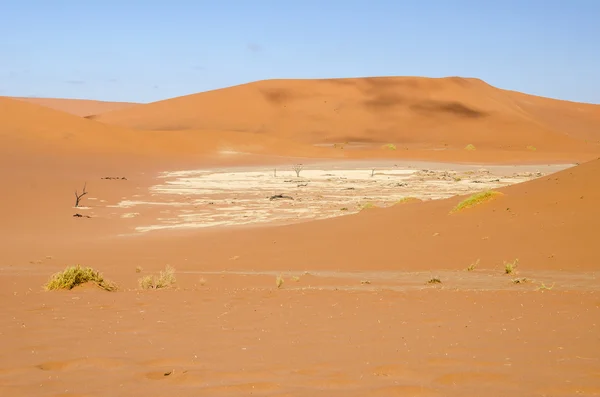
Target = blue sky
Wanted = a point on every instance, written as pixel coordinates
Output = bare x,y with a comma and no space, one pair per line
147,50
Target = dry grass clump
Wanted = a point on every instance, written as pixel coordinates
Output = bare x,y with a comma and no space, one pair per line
367,206
73,276
511,267
279,281
165,279
476,199
473,265
522,280
470,146
434,280
389,146
405,200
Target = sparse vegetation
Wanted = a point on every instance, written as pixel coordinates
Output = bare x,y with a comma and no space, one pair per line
473,265
434,280
296,278
511,267
79,196
405,200
165,279
138,269
389,146
365,282
543,287
532,148
475,199
522,280
367,206
344,209
457,179
76,275
279,281
470,147
297,169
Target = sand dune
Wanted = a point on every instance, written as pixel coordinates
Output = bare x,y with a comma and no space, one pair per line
410,112
32,127
78,107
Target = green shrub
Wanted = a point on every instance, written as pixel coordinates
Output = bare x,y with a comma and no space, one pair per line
73,276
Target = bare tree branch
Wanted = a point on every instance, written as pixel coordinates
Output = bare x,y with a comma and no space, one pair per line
79,196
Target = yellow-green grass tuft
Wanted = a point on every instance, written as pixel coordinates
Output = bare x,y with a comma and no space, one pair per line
389,146
470,146
511,267
476,199
165,279
406,200
279,281
73,276
367,206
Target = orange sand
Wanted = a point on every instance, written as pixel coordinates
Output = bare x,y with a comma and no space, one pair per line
359,318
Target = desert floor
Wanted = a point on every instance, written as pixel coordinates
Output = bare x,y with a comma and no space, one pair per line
230,330
317,284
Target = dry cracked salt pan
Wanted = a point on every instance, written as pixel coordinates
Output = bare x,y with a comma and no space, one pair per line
228,197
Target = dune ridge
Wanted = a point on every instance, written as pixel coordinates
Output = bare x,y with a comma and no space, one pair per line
78,107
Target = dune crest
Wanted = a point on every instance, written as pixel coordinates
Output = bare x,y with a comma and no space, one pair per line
78,107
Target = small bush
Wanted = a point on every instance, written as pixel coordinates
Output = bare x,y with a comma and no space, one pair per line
165,279
475,199
510,267
389,146
138,269
470,147
434,280
76,275
532,148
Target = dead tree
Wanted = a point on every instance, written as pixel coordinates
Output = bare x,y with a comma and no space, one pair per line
297,168
79,196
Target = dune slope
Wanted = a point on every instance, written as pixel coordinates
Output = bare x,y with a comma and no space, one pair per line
78,107
409,111
31,127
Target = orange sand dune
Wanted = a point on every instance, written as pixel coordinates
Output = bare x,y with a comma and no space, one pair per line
78,107
31,127
408,111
